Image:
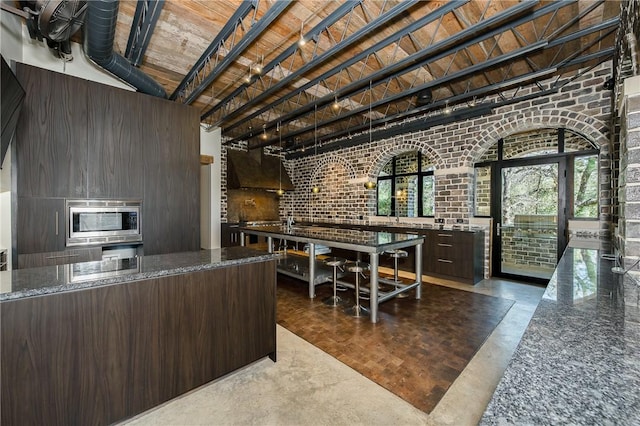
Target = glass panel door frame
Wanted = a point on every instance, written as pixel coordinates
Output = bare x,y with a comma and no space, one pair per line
496,209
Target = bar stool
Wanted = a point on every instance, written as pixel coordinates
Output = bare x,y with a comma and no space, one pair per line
335,263
397,254
357,310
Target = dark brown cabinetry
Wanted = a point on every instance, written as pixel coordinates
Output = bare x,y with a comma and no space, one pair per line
79,139
62,257
40,223
454,254
171,164
51,134
98,356
115,144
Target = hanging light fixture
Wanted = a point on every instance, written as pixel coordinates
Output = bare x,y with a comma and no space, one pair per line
280,191
315,188
335,104
301,41
264,136
370,184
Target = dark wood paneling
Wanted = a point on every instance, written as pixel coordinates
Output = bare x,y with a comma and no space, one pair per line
85,357
220,320
97,356
39,228
34,260
171,211
116,129
51,138
128,145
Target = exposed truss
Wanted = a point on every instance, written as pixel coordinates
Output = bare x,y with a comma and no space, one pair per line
429,68
144,22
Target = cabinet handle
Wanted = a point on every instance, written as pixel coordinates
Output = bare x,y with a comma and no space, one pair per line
444,245
61,256
445,235
445,261
57,227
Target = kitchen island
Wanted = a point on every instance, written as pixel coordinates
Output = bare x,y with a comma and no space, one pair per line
98,342
577,362
369,242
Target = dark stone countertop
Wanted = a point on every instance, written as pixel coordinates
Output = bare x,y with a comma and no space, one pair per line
579,359
21,283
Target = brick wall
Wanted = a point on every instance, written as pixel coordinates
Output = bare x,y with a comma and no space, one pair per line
583,107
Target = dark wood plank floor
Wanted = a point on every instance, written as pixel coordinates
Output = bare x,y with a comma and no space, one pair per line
417,348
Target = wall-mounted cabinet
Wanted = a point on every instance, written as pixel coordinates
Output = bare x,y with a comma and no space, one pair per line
51,141
79,139
115,149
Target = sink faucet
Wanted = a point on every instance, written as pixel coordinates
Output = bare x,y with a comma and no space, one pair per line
290,223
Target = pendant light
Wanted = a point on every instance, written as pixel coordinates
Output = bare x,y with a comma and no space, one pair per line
280,191
315,188
370,184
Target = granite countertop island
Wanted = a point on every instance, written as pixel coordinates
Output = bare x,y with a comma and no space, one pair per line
99,342
21,283
579,359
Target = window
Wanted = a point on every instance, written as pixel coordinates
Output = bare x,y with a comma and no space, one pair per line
406,186
556,145
585,187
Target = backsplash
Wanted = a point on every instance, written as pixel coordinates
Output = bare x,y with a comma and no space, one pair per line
251,205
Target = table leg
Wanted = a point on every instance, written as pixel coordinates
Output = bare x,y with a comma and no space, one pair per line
373,283
270,244
312,270
419,270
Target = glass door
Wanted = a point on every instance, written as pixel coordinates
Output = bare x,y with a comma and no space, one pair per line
527,226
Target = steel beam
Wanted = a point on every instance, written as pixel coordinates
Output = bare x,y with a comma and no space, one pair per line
144,22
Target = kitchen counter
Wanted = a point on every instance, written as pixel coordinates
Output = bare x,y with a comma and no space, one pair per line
104,341
21,283
578,360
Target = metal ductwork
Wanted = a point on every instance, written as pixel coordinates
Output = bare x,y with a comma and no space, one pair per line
99,33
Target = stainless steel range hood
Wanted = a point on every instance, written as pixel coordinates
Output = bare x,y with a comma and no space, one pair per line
255,170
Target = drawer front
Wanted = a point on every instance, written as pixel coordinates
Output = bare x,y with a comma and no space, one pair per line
454,267
53,258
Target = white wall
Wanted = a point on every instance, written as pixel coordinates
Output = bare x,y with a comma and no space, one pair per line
210,181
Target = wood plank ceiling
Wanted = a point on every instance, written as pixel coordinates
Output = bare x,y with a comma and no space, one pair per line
364,64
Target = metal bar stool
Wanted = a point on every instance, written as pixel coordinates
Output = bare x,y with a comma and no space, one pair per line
397,254
357,310
335,263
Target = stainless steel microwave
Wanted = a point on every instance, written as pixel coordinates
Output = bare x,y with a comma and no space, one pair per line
103,221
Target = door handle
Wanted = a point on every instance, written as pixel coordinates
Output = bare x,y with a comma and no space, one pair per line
498,229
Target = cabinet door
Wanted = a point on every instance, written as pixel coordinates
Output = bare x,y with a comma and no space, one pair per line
40,225
116,130
51,137
230,235
171,210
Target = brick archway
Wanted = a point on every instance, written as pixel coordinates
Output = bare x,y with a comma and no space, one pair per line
391,150
591,128
331,159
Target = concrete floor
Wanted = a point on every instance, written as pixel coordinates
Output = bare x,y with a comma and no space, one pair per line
308,387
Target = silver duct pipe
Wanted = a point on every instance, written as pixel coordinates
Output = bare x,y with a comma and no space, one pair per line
99,33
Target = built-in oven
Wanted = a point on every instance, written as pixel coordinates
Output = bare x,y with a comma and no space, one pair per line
91,222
